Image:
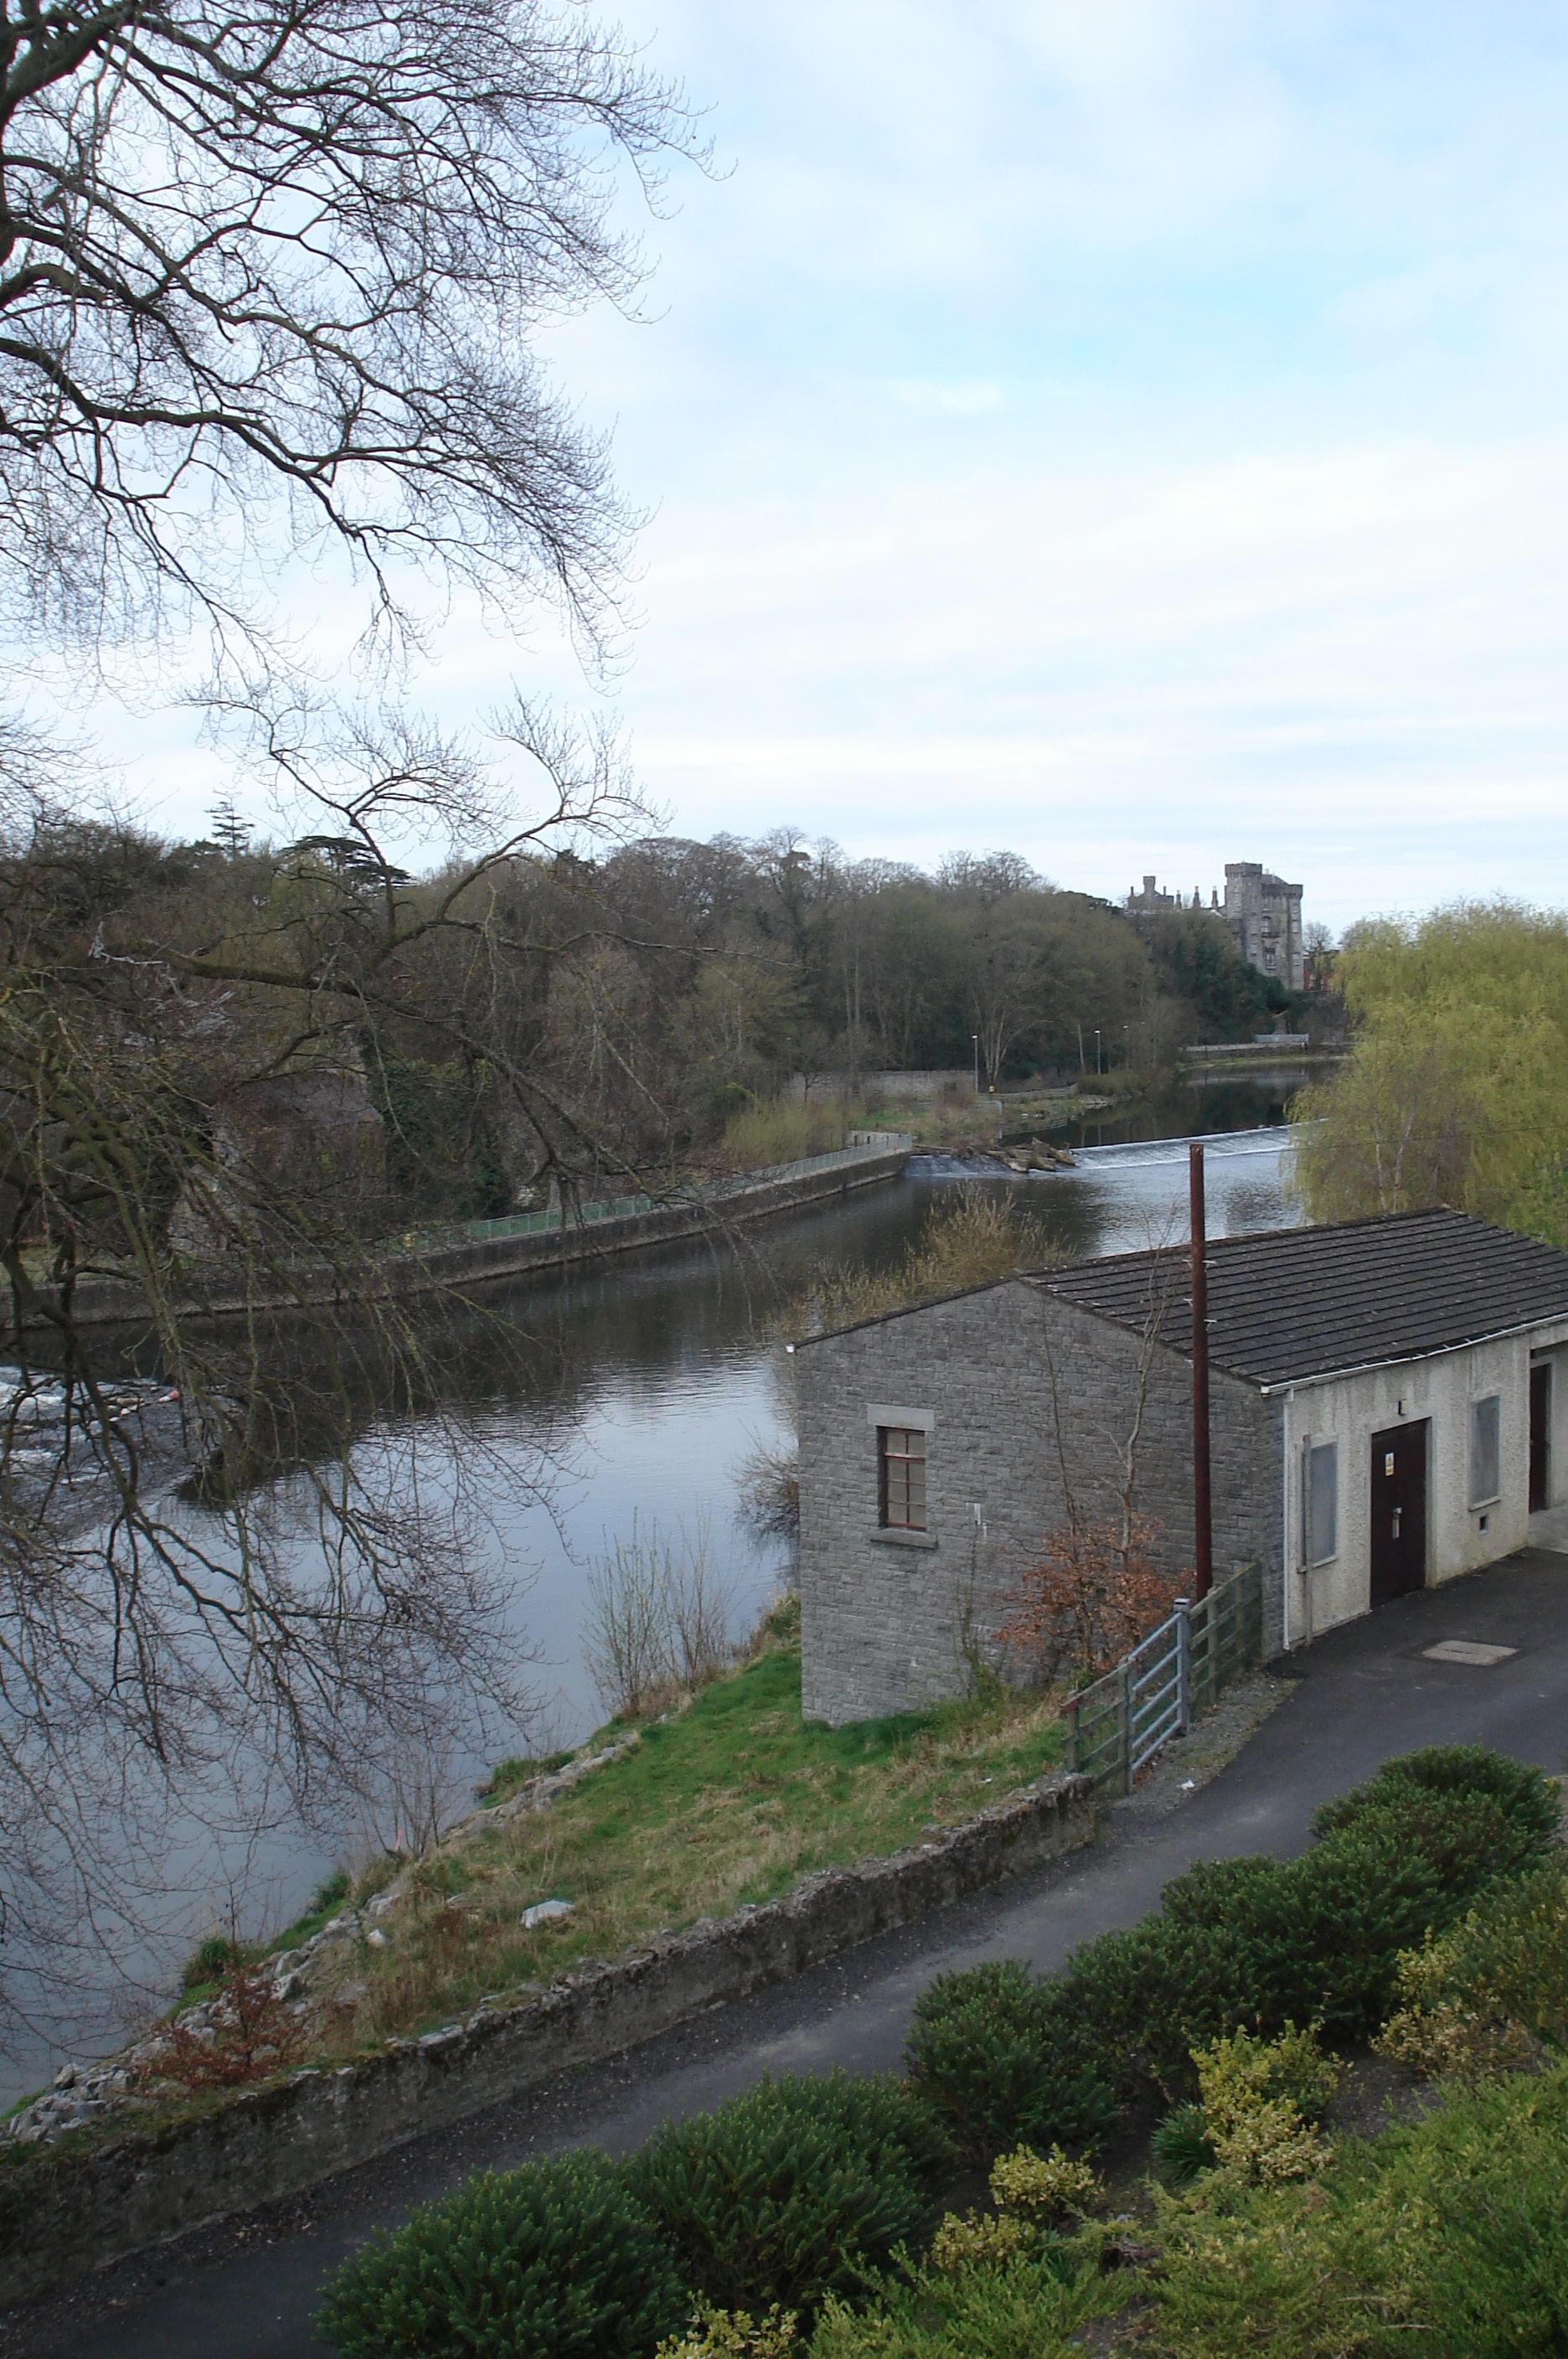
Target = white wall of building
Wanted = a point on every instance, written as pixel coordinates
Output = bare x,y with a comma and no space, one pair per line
1348,1410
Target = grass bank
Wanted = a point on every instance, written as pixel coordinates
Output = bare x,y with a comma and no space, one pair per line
731,1800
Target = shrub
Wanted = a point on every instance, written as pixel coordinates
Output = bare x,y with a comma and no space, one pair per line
1020,2308
1528,1801
1259,2097
1043,2186
1243,2069
1348,1910
993,2237
249,2035
1008,2057
554,2261
1258,1943
801,2187
1450,2237
1211,1958
1181,2146
1476,1998
731,2335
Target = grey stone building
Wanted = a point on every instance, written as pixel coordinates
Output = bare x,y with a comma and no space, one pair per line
1389,1407
1264,913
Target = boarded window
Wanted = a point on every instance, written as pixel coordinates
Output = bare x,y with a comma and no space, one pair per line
1321,1501
901,1478
1486,1449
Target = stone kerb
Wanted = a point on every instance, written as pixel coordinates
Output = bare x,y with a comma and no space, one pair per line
63,2214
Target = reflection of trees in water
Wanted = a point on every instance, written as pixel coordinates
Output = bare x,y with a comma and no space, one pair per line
1188,1110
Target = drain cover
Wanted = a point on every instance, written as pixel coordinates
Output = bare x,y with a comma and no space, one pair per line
1468,1650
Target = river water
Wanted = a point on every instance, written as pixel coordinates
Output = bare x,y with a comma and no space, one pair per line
679,1370
645,1381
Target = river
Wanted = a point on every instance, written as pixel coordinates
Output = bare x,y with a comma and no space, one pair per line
644,1382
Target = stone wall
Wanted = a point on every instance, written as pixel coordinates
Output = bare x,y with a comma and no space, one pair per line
64,2213
1030,1400
105,1301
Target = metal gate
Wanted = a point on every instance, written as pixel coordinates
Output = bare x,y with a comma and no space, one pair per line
1172,1677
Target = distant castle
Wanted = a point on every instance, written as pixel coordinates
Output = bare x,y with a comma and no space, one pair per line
1263,912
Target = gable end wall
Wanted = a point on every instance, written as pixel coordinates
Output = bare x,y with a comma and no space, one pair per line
886,1624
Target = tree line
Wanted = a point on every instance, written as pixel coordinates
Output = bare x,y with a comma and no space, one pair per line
569,1007
1454,1091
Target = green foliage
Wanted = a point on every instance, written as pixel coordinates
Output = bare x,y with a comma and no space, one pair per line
1196,959
1529,1802
1260,1943
1475,1999
1030,2306
1262,2100
970,1239
516,1770
1180,2144
1244,2068
733,2334
1007,2056
547,2262
1454,1092
1450,2238
800,2188
210,1962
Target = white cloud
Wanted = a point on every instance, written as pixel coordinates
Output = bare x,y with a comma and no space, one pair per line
1126,432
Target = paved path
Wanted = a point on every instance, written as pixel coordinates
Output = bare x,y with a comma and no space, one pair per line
1358,1695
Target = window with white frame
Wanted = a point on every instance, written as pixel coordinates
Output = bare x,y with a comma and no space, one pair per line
1320,1502
1486,1449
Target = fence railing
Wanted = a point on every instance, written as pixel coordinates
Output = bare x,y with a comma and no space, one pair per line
1167,1681
617,1208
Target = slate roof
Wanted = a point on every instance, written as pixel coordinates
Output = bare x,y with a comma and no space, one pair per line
1290,1304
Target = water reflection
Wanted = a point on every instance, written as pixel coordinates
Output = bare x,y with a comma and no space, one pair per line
636,1385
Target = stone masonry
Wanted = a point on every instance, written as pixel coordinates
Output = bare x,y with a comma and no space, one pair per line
1017,1387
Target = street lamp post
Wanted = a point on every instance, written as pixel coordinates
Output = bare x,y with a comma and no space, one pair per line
976,1038
1099,1068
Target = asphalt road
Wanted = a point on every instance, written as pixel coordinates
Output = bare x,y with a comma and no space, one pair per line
1364,1692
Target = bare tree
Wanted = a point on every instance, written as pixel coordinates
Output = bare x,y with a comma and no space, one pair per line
658,1619
267,278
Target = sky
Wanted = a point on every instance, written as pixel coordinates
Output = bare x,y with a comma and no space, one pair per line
1132,434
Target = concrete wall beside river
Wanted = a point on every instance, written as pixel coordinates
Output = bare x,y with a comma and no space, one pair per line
511,1251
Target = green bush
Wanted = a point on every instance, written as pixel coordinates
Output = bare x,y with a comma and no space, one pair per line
1181,2146
1253,1943
1026,2307
557,2260
802,2186
1206,1960
217,1957
1007,2059
1450,2238
1529,1800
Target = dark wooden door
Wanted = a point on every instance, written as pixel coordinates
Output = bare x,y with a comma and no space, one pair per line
1399,1511
1540,1435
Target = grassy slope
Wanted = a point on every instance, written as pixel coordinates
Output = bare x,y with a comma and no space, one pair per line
731,1801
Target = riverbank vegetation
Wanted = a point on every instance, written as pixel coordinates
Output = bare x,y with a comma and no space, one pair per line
1454,1092
823,2216
968,1239
729,1798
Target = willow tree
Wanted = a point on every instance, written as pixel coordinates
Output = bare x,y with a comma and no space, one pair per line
1455,1090
270,281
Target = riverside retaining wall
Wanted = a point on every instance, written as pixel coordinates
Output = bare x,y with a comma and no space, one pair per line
63,2214
103,1300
